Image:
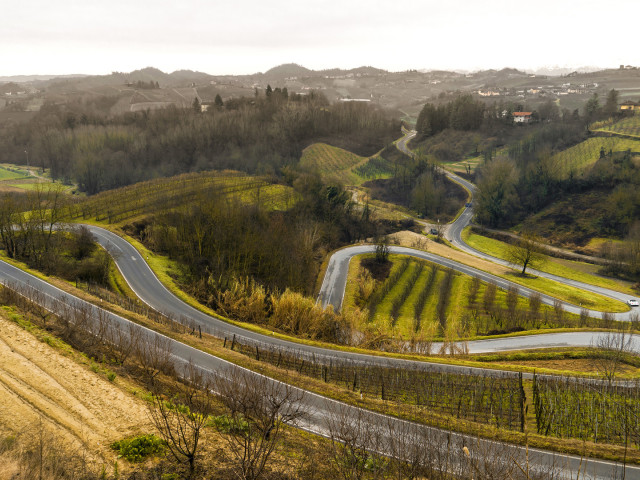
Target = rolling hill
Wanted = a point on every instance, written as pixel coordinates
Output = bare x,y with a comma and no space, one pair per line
336,164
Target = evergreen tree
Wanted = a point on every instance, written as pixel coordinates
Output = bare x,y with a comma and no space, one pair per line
611,107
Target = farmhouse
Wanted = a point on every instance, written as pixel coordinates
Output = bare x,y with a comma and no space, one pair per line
522,117
629,105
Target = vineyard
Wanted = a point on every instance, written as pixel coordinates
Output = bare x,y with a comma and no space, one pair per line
336,164
629,126
419,299
496,399
578,158
164,194
580,408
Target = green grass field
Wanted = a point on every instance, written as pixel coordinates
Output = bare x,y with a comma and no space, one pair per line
629,126
336,164
580,271
580,157
473,162
12,172
165,194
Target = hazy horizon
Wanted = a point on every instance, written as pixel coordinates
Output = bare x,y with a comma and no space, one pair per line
581,68
95,38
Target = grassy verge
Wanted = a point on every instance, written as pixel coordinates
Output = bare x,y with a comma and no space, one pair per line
580,271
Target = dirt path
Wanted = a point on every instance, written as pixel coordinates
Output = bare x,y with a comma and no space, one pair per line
37,382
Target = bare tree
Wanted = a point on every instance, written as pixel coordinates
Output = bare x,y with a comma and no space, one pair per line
512,305
535,301
181,419
525,251
355,441
558,311
584,317
410,450
257,409
154,352
489,296
382,249
121,341
613,347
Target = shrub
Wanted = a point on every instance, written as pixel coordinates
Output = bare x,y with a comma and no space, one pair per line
136,449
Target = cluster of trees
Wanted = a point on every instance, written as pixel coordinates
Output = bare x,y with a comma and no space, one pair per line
150,85
421,185
463,113
594,110
30,231
253,134
219,239
511,189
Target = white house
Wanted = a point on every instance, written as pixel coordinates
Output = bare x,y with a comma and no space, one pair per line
522,117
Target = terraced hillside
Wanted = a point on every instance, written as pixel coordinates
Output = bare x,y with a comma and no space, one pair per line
580,157
165,194
629,127
336,164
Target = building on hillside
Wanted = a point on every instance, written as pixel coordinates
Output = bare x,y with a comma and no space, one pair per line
522,117
205,106
629,105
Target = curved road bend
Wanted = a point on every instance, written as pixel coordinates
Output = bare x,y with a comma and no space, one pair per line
150,290
320,409
454,234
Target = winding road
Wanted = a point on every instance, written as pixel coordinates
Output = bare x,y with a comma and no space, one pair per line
321,411
150,290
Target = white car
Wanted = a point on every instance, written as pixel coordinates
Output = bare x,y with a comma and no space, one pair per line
633,302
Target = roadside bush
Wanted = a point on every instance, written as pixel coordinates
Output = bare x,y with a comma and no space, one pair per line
244,300
138,448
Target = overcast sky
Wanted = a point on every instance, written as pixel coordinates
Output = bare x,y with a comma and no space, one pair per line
248,36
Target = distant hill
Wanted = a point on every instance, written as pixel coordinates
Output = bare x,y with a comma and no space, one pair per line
294,70
148,74
359,70
558,71
37,78
10,87
288,70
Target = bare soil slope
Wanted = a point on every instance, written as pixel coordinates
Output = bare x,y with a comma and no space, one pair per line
39,383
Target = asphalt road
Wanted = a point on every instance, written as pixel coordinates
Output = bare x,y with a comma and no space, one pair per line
453,233
321,412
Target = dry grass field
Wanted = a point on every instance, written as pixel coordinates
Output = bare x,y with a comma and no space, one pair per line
49,389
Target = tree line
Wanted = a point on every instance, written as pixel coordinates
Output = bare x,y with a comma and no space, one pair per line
31,232
82,144
220,239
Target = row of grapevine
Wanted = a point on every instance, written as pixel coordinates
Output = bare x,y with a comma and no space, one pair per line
588,410
168,193
422,298
628,126
497,399
579,157
444,296
398,301
378,295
